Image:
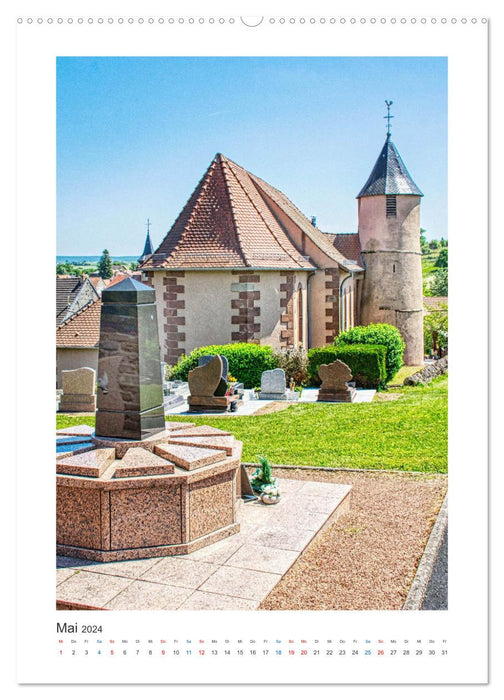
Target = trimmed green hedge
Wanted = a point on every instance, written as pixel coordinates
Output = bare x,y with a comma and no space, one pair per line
377,334
366,362
247,361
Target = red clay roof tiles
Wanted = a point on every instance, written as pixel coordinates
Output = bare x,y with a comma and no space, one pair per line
301,221
226,223
348,244
82,330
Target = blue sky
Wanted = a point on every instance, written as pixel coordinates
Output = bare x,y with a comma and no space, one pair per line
135,135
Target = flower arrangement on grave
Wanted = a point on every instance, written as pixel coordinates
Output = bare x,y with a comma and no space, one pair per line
230,388
264,483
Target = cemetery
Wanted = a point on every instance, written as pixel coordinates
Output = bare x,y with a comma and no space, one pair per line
260,428
237,495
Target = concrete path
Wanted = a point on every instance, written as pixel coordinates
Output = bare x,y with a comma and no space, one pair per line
247,408
251,406
234,574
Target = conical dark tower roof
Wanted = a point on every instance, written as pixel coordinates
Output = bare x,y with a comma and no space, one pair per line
389,175
148,247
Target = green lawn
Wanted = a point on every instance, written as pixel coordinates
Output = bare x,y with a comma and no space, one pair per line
409,433
405,371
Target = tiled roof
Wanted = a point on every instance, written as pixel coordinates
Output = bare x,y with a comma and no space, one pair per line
300,220
226,223
118,277
67,289
389,175
348,244
72,293
82,330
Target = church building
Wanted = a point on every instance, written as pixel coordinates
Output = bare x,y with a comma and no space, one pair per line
242,263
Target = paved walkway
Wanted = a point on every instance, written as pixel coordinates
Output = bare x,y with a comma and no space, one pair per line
251,406
234,574
247,408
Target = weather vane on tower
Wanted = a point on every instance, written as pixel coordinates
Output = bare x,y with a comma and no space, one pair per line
388,117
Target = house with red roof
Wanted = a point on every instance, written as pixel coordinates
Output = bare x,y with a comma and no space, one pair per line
77,340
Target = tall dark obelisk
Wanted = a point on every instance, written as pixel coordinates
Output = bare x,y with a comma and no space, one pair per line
130,388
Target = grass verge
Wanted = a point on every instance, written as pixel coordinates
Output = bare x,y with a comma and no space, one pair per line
407,434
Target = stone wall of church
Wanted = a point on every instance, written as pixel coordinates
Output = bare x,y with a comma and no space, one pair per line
197,308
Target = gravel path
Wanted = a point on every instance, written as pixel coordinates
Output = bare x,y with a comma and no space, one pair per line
368,558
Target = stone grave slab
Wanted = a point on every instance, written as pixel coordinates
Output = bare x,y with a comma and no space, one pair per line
199,430
141,462
91,463
223,442
189,457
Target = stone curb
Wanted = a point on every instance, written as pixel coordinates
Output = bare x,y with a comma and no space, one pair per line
422,578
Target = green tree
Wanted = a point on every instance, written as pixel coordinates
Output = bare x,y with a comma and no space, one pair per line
444,243
105,266
424,245
442,260
438,286
436,329
434,244
66,269
133,266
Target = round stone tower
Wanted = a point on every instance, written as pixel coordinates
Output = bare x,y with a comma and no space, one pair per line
389,233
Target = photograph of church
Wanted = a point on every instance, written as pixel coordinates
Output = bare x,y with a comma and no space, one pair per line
280,214
242,263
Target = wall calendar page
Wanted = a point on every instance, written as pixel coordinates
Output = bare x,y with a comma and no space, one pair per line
261,226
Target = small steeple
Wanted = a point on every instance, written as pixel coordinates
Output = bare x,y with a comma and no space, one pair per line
148,247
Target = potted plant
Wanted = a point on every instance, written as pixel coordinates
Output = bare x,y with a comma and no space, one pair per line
270,494
264,483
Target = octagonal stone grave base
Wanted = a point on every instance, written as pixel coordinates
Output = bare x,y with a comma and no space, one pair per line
158,497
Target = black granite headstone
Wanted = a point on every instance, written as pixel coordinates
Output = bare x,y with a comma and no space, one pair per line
130,387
